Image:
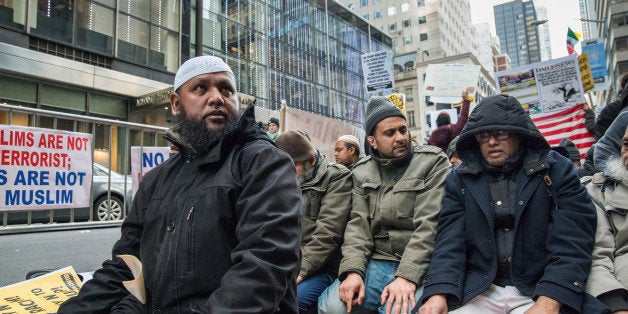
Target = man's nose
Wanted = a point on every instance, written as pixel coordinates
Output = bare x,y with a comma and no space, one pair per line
214,97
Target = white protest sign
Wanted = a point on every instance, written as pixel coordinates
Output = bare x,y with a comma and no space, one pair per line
377,68
44,168
143,159
449,80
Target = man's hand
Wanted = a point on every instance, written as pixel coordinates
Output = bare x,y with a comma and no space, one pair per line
299,279
544,305
352,290
436,304
400,292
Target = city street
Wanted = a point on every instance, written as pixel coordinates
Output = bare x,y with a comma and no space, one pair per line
84,250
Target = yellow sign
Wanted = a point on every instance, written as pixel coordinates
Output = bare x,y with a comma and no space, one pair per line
399,100
585,72
42,294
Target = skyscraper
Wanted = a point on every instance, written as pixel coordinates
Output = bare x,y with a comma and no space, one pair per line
516,25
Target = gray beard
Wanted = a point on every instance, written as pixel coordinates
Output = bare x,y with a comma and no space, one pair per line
616,170
198,136
308,173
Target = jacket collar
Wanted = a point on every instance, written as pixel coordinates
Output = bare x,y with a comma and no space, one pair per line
320,172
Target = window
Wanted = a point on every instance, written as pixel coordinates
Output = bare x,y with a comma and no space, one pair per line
364,3
407,40
420,2
621,43
405,7
351,6
365,16
392,27
411,121
406,23
378,15
392,11
376,1
423,37
409,94
422,19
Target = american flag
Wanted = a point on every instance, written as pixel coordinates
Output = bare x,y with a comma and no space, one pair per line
567,123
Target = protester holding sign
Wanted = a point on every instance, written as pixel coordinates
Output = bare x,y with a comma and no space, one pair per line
211,231
445,131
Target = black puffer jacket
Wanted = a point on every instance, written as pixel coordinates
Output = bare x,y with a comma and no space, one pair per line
213,234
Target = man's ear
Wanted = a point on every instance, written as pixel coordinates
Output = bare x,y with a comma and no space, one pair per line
174,104
371,140
312,161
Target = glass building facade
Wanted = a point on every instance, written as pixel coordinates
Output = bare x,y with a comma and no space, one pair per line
518,36
303,52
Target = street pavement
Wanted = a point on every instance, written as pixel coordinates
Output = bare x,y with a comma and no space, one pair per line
85,250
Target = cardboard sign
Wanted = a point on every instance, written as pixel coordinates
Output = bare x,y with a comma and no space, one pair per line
377,68
144,159
42,294
445,82
44,169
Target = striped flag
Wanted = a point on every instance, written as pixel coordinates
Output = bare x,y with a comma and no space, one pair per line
568,123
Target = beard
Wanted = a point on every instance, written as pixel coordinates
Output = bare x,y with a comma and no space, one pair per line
198,136
308,172
616,170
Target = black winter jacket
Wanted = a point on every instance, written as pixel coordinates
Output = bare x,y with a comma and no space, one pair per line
212,233
553,235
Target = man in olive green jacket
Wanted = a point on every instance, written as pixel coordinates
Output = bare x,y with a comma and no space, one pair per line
388,243
326,195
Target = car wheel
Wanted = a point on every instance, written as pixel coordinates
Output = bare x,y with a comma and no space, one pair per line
108,209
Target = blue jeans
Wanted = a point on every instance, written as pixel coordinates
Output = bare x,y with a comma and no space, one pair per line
310,289
379,274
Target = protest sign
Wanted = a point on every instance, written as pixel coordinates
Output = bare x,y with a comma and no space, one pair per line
399,100
143,159
444,83
597,59
43,294
544,87
44,168
377,68
585,72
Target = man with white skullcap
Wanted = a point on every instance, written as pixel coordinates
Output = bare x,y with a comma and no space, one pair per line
347,150
210,230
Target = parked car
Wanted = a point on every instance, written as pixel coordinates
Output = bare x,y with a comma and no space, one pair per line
109,193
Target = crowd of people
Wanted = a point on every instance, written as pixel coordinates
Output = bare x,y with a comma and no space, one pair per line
491,220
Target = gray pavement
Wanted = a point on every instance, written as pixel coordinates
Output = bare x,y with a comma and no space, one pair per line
85,250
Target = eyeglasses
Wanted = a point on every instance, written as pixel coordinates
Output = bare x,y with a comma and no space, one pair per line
498,135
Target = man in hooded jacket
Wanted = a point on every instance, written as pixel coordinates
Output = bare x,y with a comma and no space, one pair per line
211,232
516,228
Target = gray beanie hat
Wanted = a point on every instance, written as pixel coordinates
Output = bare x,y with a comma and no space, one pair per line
297,144
197,66
378,109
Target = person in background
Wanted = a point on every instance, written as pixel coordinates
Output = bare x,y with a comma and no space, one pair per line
608,278
516,228
612,110
588,168
451,152
273,128
211,231
347,150
397,190
445,131
326,194
608,145
568,149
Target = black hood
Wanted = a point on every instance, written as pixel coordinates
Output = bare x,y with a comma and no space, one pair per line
499,112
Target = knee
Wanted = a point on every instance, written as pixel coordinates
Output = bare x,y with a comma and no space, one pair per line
329,301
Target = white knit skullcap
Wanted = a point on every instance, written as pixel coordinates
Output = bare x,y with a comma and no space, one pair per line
197,66
349,139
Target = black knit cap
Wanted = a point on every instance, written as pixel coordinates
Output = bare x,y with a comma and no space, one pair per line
378,109
274,120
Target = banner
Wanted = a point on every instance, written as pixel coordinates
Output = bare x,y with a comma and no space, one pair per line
399,100
44,168
597,59
322,131
378,71
444,83
144,159
552,93
585,72
43,294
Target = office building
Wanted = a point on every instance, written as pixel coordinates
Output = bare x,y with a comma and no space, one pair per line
516,25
